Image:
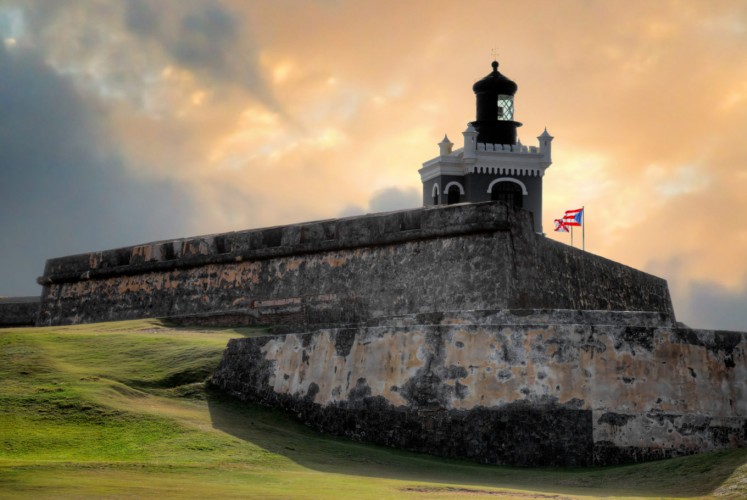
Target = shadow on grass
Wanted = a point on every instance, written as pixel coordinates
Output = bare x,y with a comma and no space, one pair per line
279,433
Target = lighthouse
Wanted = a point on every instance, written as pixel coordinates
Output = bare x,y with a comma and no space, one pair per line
492,165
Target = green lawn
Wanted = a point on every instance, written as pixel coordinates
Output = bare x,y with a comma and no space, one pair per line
121,410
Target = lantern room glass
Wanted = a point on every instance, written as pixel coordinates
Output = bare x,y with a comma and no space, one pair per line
505,107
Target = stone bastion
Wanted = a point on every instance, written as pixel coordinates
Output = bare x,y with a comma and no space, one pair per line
550,388
456,331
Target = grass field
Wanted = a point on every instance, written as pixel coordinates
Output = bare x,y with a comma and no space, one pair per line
121,410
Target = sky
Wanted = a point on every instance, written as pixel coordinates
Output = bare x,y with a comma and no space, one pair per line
123,122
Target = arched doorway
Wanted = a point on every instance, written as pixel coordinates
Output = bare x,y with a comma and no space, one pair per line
508,192
453,195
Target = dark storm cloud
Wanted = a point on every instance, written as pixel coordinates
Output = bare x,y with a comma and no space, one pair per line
710,305
206,38
202,38
140,18
62,187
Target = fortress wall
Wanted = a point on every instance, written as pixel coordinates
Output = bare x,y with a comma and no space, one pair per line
18,311
475,256
563,394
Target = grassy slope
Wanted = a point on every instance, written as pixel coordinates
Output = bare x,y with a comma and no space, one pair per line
119,409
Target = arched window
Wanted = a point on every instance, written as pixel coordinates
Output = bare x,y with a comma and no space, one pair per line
508,192
435,194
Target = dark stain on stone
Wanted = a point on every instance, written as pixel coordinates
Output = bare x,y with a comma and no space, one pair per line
628,380
344,340
454,371
459,344
461,391
507,354
726,341
575,403
642,336
360,391
692,372
616,419
312,391
505,374
694,424
306,340
721,343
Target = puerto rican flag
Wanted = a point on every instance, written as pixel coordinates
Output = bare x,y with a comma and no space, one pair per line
561,226
574,217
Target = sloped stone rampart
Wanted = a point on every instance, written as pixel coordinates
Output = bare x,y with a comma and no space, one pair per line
474,256
521,394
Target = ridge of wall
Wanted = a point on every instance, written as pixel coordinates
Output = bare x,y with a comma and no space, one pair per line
471,256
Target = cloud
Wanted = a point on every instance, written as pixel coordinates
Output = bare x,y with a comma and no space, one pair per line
711,305
206,38
394,198
386,200
64,189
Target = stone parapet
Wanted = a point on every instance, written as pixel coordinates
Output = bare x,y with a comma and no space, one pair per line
281,241
482,256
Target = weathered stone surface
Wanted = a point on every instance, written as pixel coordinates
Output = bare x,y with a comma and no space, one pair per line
18,311
468,257
526,394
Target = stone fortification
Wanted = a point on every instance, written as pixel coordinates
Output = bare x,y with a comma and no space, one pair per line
469,257
508,387
18,311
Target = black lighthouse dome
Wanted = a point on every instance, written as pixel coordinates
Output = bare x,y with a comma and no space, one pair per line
495,108
495,82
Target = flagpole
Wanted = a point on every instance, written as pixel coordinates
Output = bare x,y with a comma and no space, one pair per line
583,230
571,235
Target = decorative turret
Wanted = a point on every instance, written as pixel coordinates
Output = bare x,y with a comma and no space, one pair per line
445,146
545,141
495,108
